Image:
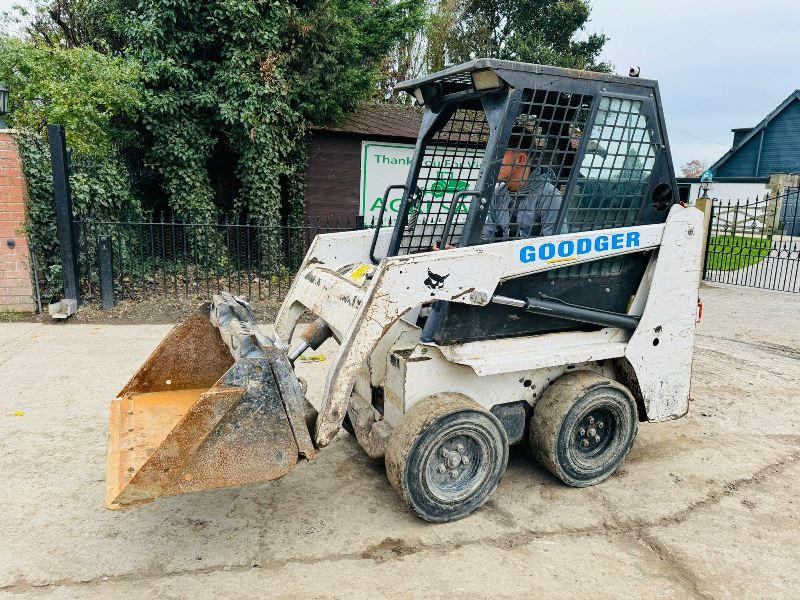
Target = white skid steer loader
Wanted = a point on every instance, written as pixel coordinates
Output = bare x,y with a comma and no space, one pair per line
540,285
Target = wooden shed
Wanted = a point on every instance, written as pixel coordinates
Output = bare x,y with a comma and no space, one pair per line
334,168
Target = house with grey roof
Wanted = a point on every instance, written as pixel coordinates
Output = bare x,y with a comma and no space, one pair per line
772,146
758,156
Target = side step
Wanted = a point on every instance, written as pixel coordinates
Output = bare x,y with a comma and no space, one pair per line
215,406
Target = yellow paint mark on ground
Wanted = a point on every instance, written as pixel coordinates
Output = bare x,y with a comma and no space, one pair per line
19,413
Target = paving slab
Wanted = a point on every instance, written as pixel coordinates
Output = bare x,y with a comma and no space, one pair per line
539,567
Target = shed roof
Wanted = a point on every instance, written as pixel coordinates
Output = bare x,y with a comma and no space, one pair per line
380,120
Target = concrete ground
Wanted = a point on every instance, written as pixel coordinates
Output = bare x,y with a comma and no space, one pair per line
704,507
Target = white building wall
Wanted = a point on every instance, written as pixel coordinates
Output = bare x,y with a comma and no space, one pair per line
731,191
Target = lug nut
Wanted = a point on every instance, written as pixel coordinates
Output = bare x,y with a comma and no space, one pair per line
582,431
591,420
465,460
597,438
585,443
600,424
444,452
453,473
460,447
442,469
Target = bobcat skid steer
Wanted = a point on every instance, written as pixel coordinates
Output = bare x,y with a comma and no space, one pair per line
540,286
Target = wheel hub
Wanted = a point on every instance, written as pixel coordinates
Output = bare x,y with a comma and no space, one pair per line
454,467
593,431
454,457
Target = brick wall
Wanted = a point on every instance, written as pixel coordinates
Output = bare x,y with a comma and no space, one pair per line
16,291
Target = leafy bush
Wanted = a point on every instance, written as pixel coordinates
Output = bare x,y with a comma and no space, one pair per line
96,97
79,88
246,79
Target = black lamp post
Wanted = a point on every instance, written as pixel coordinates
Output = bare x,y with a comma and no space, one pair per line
3,104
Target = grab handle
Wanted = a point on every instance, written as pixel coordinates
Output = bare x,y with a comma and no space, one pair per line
450,213
380,221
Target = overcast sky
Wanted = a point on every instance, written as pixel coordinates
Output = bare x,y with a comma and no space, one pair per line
720,63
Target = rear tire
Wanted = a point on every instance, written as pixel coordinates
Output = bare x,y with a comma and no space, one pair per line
583,427
446,457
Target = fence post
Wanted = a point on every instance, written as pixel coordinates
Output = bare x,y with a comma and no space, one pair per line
107,299
67,238
706,205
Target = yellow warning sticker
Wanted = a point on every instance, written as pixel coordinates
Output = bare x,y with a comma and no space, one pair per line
313,358
359,272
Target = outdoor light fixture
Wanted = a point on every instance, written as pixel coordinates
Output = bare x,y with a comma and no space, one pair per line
3,104
706,179
486,80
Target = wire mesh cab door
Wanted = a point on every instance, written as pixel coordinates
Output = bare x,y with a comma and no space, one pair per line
594,156
445,174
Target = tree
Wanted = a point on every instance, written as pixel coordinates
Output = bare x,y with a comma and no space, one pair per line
239,82
537,31
421,51
96,97
694,168
82,89
99,24
455,31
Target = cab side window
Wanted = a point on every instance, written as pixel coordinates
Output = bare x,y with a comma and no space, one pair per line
614,175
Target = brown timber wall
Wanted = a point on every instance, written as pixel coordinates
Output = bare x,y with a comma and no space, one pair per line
333,175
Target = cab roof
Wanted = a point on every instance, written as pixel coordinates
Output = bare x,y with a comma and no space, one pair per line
459,76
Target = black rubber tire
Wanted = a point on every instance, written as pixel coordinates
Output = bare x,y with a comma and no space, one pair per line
583,401
446,487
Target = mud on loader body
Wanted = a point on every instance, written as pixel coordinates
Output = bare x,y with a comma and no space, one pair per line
540,286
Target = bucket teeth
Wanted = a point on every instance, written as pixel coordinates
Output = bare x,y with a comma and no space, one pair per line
216,405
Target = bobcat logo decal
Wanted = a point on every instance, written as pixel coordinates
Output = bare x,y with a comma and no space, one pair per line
434,281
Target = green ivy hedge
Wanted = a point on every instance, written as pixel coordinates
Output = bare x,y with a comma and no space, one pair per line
100,190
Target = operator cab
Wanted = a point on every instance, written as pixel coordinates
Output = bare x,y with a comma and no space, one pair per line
512,150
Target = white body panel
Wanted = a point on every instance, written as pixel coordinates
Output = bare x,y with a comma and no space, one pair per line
363,310
426,371
660,350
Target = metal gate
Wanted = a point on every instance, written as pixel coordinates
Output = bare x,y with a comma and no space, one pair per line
789,216
756,243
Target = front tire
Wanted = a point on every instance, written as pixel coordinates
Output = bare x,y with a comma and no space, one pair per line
583,427
446,457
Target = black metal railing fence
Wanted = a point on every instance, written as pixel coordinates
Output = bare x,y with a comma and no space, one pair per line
755,243
162,258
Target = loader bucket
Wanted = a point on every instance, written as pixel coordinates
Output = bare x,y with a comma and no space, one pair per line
216,405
